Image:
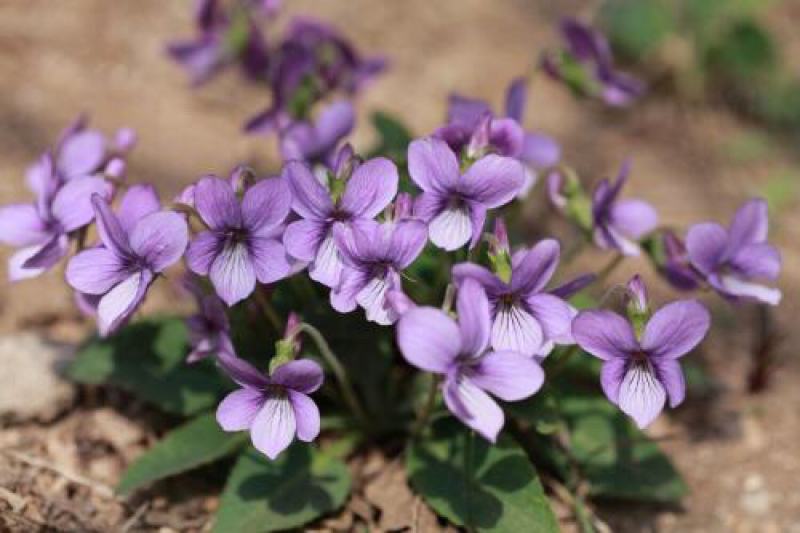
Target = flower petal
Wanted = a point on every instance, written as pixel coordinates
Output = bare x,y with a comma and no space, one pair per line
216,202
540,151
95,271
474,319
740,288
531,271
510,376
274,426
669,373
516,98
306,415
633,218
641,395
612,372
112,235
242,372
604,334
750,225
17,270
371,188
554,315
491,283
473,406
80,154
303,238
266,204
119,303
232,273
514,329
202,251
138,202
758,260
302,375
72,204
675,329
466,111
432,165
706,245
269,260
493,180
407,242
160,239
428,339
327,266
451,228
20,225
372,297
238,410
310,199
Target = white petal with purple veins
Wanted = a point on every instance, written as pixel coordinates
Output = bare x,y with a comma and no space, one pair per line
451,228
516,330
641,396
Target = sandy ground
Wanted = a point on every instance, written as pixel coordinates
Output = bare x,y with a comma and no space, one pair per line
58,59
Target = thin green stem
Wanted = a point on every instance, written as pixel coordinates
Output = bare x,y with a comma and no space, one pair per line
338,370
609,268
427,409
269,311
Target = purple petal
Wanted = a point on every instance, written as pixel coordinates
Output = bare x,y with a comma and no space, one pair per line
274,426
759,260
216,202
473,406
242,372
634,218
432,165
641,395
493,180
266,204
345,294
451,228
706,244
473,317
238,410
310,199
604,334
749,225
407,242
675,329
510,376
80,154
138,202
302,375
466,111
573,286
95,271
306,415
516,97
477,219
540,151
49,254
202,251
372,297
72,204
612,373
269,260
506,136
335,122
515,329
160,239
111,233
303,238
669,373
119,303
20,225
428,339
232,273
327,266
371,188
534,269
16,263
554,315
400,302
491,283
737,287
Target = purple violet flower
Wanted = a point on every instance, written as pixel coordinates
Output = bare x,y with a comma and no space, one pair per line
363,196
273,408
620,224
242,244
735,260
305,141
525,319
374,255
454,204
209,329
471,125
139,242
587,66
432,341
42,229
677,269
640,365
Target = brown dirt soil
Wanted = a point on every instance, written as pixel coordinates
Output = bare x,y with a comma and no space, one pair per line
737,451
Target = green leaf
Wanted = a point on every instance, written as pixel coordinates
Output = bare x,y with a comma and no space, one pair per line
262,495
148,359
195,443
393,137
540,410
503,492
615,458
636,27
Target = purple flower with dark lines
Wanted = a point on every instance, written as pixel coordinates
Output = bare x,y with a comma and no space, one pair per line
209,329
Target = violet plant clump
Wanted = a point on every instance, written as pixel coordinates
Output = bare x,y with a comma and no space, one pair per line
471,357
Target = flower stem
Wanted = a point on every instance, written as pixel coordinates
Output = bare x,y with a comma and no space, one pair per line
269,311
427,409
338,370
609,268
